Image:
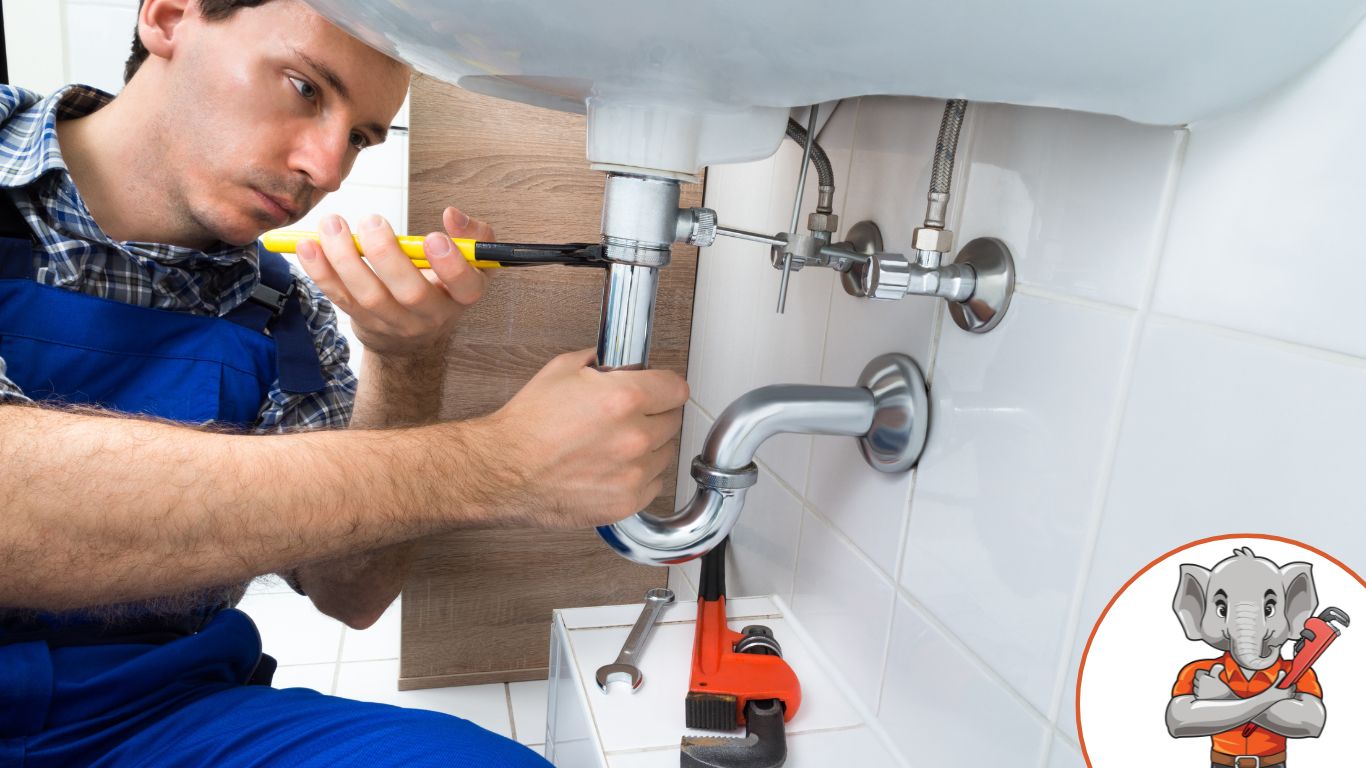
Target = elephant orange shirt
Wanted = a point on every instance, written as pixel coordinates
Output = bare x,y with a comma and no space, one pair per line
1231,742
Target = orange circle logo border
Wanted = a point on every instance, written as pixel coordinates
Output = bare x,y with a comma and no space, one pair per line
1081,670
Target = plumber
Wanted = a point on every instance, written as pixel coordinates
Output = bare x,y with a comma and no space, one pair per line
175,404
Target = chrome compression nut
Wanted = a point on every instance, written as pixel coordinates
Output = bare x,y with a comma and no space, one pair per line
932,239
724,479
823,222
696,226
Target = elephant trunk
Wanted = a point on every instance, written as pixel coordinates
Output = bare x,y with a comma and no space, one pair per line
1247,629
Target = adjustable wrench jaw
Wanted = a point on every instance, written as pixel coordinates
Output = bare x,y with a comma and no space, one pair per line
763,746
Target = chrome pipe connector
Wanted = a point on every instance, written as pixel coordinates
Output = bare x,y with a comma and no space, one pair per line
639,219
887,411
639,225
978,284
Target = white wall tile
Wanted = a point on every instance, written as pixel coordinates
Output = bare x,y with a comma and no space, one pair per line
384,165
763,550
98,40
1268,210
945,710
867,505
1220,437
1077,197
353,203
1064,755
35,44
1007,488
845,604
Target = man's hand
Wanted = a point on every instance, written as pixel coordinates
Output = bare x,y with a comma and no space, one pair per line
396,309
1210,685
585,447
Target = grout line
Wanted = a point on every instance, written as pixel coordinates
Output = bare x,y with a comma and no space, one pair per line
1234,334
977,661
1044,292
512,720
1115,428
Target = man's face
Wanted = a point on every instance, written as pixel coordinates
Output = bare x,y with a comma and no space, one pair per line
267,112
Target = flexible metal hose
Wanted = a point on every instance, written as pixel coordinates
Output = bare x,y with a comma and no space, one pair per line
825,172
944,150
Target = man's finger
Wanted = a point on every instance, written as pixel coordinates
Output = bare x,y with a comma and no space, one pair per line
664,390
463,282
460,224
1217,670
361,283
402,281
320,271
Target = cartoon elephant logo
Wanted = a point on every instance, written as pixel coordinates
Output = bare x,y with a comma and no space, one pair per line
1250,700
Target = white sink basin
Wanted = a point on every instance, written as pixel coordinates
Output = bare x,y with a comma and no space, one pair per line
676,86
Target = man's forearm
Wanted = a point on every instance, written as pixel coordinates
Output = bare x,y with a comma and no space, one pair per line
393,393
100,509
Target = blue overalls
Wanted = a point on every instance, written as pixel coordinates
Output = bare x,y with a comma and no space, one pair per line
176,693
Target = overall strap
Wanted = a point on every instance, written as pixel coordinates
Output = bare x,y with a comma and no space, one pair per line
16,242
274,305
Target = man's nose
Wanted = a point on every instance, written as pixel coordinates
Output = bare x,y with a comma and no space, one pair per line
324,157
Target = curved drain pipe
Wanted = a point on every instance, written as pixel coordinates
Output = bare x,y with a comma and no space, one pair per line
888,411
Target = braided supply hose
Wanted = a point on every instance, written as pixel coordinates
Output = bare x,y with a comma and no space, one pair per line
825,173
944,150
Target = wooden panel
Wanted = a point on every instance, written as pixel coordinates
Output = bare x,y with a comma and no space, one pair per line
476,607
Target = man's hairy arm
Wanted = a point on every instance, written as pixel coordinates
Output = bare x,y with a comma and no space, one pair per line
393,393
101,509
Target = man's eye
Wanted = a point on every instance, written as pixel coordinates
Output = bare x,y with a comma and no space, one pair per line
304,88
359,141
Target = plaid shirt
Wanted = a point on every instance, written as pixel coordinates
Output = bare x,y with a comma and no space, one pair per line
77,255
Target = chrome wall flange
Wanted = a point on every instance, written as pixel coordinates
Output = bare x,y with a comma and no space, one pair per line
994,284
901,415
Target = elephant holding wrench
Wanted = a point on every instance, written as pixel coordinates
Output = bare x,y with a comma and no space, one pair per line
1248,607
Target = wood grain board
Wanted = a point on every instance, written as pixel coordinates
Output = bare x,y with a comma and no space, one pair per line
476,607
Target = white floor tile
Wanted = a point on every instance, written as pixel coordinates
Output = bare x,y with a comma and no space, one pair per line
379,641
528,710
484,705
317,677
292,630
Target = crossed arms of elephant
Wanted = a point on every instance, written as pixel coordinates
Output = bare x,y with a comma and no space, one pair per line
1249,607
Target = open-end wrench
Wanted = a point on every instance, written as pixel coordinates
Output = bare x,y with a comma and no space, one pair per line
624,668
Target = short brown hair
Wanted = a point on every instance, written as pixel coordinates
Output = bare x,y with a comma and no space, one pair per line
213,10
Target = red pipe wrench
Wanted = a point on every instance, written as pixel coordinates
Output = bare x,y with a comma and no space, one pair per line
1319,633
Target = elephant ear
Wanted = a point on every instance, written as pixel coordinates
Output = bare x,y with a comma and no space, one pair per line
1190,600
1301,598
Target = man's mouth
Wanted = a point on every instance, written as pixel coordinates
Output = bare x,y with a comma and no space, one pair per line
279,210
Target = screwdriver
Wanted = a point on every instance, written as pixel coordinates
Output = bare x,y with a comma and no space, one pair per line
480,254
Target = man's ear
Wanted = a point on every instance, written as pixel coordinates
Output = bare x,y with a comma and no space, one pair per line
157,24
1189,603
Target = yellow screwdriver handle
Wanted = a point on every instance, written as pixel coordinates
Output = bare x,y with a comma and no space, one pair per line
287,241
